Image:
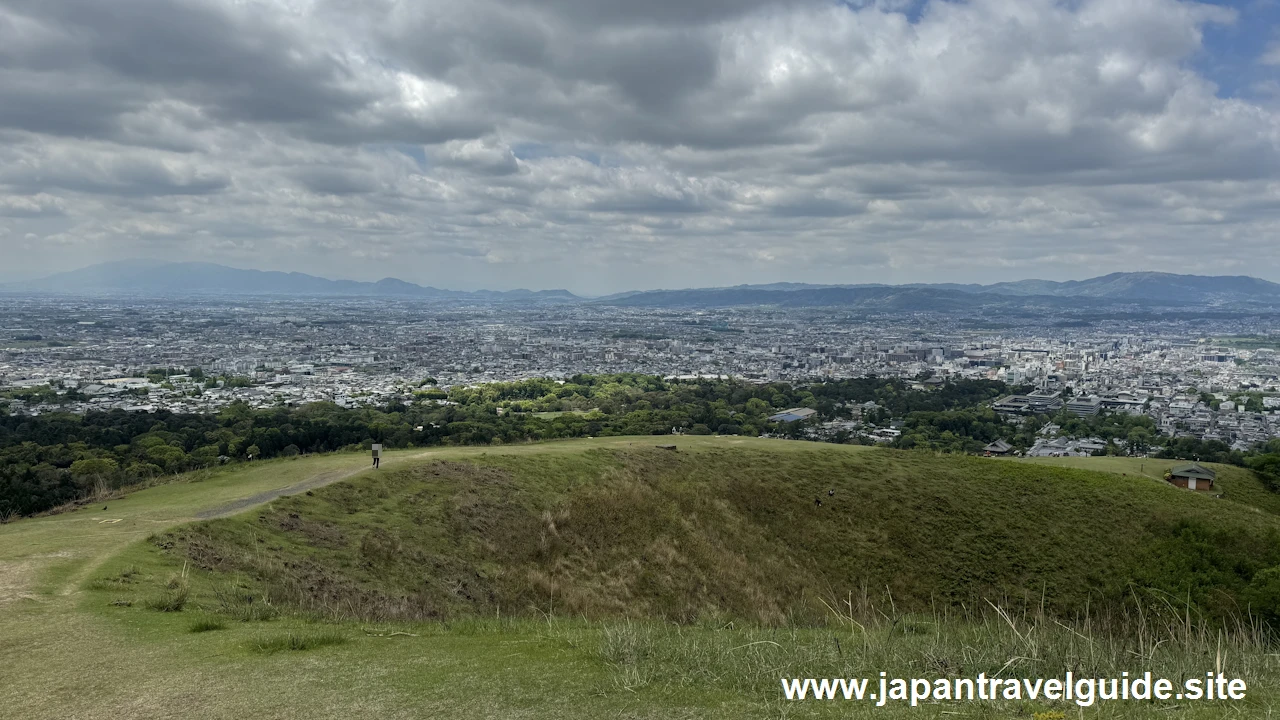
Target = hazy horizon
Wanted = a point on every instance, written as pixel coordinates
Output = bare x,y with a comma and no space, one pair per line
339,277
602,145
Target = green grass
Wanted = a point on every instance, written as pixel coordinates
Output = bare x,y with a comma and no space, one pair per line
1249,342
169,600
553,414
80,641
736,534
297,641
207,624
33,344
1235,484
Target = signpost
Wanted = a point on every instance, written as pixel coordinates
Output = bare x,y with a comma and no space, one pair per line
377,455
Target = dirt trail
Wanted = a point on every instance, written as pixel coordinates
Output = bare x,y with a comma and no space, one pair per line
315,481
311,483
17,577
20,571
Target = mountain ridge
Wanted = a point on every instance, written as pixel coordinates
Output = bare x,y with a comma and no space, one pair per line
154,277
151,277
1145,288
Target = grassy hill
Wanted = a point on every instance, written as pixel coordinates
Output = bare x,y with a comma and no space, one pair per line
738,533
1234,484
539,581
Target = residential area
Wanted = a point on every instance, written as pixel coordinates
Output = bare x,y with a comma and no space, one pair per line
1195,379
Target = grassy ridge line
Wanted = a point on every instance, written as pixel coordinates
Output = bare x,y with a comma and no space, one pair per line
51,554
1235,484
738,533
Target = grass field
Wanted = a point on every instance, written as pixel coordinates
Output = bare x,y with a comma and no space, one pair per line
1235,484
98,622
1249,342
553,414
30,344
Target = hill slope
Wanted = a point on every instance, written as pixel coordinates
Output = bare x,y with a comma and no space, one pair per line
717,532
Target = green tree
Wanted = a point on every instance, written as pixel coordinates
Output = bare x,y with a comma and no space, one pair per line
1264,594
94,468
1139,439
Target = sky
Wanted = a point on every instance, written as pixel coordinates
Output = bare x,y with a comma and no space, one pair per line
606,145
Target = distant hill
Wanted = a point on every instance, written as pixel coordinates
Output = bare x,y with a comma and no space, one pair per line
883,298
1145,288
1165,287
150,277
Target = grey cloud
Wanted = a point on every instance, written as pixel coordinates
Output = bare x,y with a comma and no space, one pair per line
486,156
247,66
336,181
94,171
678,12
92,62
773,136
31,206
77,107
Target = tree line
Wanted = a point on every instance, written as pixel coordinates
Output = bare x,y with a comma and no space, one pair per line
55,458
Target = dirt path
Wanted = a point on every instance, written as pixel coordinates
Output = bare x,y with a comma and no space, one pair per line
243,504
69,543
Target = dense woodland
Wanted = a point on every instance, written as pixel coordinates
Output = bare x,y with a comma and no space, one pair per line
56,458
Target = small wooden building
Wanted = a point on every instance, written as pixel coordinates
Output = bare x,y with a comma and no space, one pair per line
1192,476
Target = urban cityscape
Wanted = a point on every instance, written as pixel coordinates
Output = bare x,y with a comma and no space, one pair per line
1209,378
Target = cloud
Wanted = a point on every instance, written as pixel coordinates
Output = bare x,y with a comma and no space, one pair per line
31,206
476,143
1272,55
482,155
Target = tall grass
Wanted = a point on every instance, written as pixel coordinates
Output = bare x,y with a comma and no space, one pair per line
243,603
297,641
206,625
174,596
937,645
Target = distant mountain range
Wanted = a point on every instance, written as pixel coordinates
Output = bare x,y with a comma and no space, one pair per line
1142,288
147,277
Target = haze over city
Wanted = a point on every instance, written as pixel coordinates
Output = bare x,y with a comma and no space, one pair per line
605,146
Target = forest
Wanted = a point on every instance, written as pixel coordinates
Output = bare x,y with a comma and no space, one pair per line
56,458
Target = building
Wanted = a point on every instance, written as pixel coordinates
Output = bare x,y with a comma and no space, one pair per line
793,415
998,447
1192,476
1037,403
1084,406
